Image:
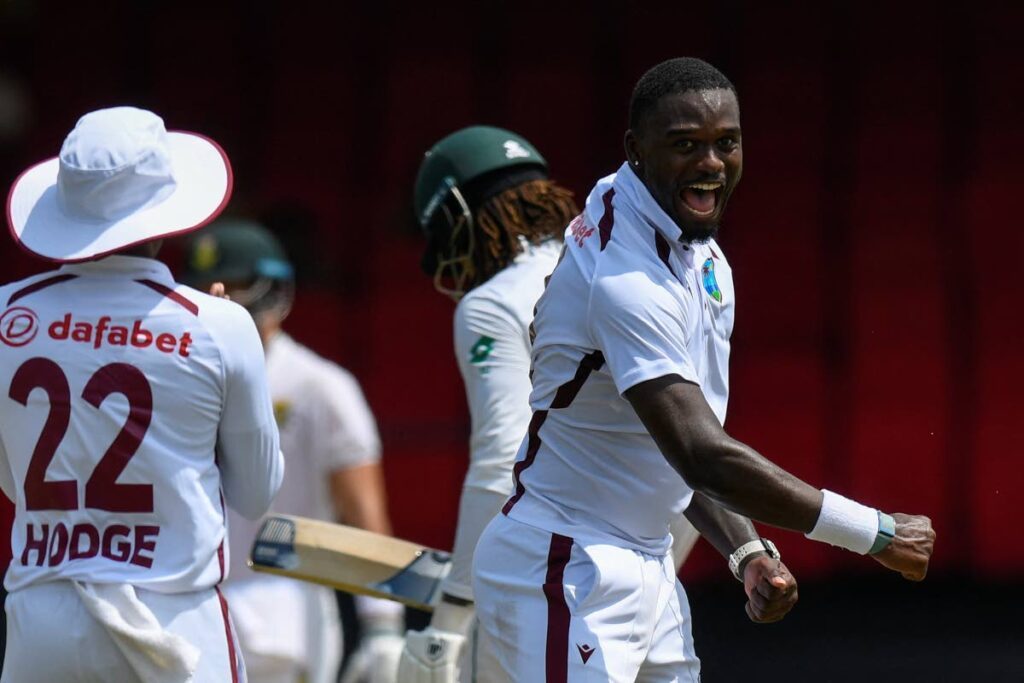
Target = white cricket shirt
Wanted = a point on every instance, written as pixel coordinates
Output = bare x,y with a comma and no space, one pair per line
627,303
128,403
492,347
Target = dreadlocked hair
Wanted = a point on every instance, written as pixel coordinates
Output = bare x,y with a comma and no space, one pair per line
534,211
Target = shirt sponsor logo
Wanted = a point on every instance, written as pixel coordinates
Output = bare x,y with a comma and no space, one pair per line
707,272
18,326
102,332
579,230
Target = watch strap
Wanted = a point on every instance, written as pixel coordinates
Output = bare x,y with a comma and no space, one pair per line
757,545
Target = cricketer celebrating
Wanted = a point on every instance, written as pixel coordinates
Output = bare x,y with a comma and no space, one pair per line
630,384
494,219
132,409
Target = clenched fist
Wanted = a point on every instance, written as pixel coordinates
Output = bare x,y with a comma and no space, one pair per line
771,589
911,548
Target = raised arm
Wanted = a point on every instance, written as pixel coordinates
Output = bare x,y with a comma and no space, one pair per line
738,478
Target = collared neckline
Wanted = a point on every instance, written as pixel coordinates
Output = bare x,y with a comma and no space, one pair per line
644,203
134,266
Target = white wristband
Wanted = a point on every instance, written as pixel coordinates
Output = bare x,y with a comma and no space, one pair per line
845,523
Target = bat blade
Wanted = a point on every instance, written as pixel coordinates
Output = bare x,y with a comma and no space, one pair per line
350,559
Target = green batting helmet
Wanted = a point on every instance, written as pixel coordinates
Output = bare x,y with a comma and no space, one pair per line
464,156
457,174
235,250
248,258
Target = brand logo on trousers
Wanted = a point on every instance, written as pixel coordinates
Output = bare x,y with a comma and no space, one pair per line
585,651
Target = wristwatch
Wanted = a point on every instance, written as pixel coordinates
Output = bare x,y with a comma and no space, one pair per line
747,548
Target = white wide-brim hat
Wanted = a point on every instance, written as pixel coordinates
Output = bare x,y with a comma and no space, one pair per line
120,180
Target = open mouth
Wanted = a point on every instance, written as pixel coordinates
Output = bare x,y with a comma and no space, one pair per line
701,198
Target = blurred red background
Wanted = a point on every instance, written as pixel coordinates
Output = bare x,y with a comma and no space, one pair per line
875,240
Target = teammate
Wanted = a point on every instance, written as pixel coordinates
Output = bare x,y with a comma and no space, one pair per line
290,630
132,409
630,384
494,221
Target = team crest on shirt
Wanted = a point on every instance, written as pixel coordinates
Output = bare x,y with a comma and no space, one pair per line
707,272
282,411
18,326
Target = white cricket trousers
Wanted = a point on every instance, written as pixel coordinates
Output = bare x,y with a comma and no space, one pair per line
553,610
52,637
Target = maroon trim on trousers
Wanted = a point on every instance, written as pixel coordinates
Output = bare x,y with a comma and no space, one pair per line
232,655
172,295
532,447
663,252
556,652
41,284
607,222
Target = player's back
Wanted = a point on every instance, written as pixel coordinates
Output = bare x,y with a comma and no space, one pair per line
114,383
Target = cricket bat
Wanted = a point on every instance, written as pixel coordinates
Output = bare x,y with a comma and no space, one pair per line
350,559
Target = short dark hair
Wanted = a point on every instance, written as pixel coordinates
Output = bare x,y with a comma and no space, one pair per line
681,74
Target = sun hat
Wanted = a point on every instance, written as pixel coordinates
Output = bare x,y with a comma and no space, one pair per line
121,180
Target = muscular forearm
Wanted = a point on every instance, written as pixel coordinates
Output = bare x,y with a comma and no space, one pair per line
740,479
728,472
736,477
724,529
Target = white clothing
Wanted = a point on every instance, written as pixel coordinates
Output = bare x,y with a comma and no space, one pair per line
53,636
627,303
287,626
128,403
554,609
492,347
325,425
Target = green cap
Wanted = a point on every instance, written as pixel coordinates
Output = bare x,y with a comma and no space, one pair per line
235,250
463,156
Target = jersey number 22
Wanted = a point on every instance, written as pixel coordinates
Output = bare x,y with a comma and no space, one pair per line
102,492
